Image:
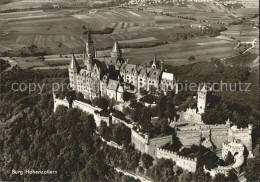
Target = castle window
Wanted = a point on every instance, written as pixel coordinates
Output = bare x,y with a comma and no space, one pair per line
140,79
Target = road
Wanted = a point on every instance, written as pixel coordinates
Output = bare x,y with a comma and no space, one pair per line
135,176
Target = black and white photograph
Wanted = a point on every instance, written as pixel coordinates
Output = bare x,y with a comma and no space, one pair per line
129,91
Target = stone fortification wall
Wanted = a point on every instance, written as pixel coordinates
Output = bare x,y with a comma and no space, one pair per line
60,102
186,163
139,141
219,136
189,137
190,115
144,144
245,135
220,169
90,109
84,107
117,120
154,143
226,147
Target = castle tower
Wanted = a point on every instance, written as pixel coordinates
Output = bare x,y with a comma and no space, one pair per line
73,72
145,76
90,52
154,62
202,99
162,63
116,51
136,76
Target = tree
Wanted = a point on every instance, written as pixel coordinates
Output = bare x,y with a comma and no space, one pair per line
185,176
191,58
147,160
170,109
229,159
101,103
251,170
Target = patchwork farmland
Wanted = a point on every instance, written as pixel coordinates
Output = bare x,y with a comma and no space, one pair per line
62,32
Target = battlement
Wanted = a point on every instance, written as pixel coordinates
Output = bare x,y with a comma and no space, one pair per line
174,154
189,164
236,129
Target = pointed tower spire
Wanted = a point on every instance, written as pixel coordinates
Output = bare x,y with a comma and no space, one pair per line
162,63
116,51
84,55
73,63
154,62
89,38
90,51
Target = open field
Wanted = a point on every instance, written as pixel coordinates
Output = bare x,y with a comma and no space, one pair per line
62,32
243,33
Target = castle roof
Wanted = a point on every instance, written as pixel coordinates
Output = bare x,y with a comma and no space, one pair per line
89,38
116,47
73,63
202,87
154,73
168,76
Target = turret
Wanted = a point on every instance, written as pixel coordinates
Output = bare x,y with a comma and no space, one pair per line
90,52
73,72
154,62
116,51
202,99
162,63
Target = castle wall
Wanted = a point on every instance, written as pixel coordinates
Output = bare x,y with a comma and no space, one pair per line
146,145
189,137
84,107
186,163
139,141
190,115
58,102
158,142
219,136
90,109
117,120
243,134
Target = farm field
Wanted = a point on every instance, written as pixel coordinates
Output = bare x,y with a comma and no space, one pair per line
174,54
63,33
242,33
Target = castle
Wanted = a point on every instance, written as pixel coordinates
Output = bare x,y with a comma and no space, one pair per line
114,75
195,114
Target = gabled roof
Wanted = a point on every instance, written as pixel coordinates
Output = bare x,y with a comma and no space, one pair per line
154,73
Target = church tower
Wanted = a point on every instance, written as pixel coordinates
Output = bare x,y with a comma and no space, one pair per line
154,62
73,69
116,51
202,99
90,52
162,63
